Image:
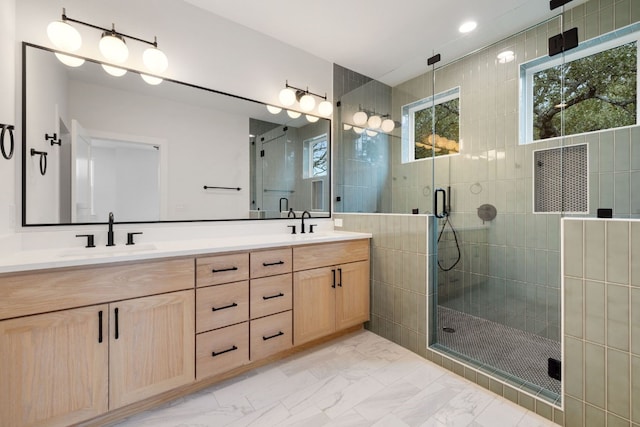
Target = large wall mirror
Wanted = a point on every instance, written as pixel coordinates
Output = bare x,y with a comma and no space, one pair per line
146,152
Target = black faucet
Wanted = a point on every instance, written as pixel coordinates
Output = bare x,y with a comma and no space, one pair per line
110,232
303,231
291,214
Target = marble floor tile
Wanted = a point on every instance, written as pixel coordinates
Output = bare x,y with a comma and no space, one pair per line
358,380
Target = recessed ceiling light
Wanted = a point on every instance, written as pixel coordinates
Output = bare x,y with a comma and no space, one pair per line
468,27
506,56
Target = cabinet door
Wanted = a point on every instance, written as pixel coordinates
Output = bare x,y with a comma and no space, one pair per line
313,304
53,367
352,296
151,346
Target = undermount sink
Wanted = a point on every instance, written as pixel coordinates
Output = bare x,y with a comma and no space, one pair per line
107,250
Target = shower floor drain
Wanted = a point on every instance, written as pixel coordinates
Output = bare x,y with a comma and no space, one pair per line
449,330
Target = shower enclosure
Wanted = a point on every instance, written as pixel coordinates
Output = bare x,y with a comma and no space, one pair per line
495,138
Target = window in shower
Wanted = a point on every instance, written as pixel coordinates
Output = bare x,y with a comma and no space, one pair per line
595,88
419,141
315,157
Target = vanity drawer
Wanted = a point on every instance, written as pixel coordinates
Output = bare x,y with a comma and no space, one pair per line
270,263
271,335
328,254
222,350
271,295
219,269
222,305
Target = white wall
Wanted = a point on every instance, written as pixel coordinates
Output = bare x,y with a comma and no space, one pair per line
202,48
8,169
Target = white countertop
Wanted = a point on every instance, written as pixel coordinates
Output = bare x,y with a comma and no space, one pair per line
77,256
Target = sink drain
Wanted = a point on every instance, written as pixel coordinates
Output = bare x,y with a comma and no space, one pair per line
449,330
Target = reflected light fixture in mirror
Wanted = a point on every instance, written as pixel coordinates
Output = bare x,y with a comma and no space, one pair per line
360,118
358,130
151,79
273,109
69,61
312,119
387,125
506,56
371,133
293,114
290,94
112,46
114,71
374,122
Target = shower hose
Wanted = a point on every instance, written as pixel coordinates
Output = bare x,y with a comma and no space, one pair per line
447,220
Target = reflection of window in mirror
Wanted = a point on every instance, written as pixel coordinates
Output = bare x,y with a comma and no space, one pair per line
315,157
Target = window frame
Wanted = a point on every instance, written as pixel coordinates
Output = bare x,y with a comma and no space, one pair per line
590,47
408,122
308,172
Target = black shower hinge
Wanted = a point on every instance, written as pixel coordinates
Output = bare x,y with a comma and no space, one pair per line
554,4
554,369
261,153
563,42
433,59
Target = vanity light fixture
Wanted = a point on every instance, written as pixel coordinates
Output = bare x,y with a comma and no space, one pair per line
372,121
112,46
293,114
371,133
312,119
273,109
290,94
358,130
388,125
360,118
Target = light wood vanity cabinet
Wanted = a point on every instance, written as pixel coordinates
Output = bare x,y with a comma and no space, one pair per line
70,365
78,343
328,295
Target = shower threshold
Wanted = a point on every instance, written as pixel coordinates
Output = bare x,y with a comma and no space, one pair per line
516,357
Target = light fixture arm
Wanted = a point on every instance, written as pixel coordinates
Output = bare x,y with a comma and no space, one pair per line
112,31
304,91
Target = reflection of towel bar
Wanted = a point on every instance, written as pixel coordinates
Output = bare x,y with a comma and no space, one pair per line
278,191
206,187
7,130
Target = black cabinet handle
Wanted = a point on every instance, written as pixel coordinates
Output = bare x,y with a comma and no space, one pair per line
269,264
340,277
273,296
117,332
224,269
100,326
225,307
333,281
214,354
273,336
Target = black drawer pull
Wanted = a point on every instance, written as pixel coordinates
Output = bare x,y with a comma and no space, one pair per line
273,296
100,326
333,281
117,331
226,306
214,354
224,269
340,274
269,264
273,336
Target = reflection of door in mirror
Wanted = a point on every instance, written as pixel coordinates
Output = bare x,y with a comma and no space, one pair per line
114,174
276,178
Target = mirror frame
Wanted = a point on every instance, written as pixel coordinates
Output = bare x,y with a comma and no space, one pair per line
26,45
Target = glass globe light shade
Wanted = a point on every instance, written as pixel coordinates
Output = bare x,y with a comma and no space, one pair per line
360,118
273,110
70,61
374,122
358,130
64,36
113,48
114,71
346,126
151,79
325,108
307,103
387,125
287,97
155,60
293,114
371,132
312,119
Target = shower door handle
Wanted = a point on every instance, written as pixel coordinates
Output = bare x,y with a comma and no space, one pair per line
436,208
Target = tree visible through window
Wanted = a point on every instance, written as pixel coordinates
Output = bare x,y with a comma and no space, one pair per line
596,92
431,127
319,153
